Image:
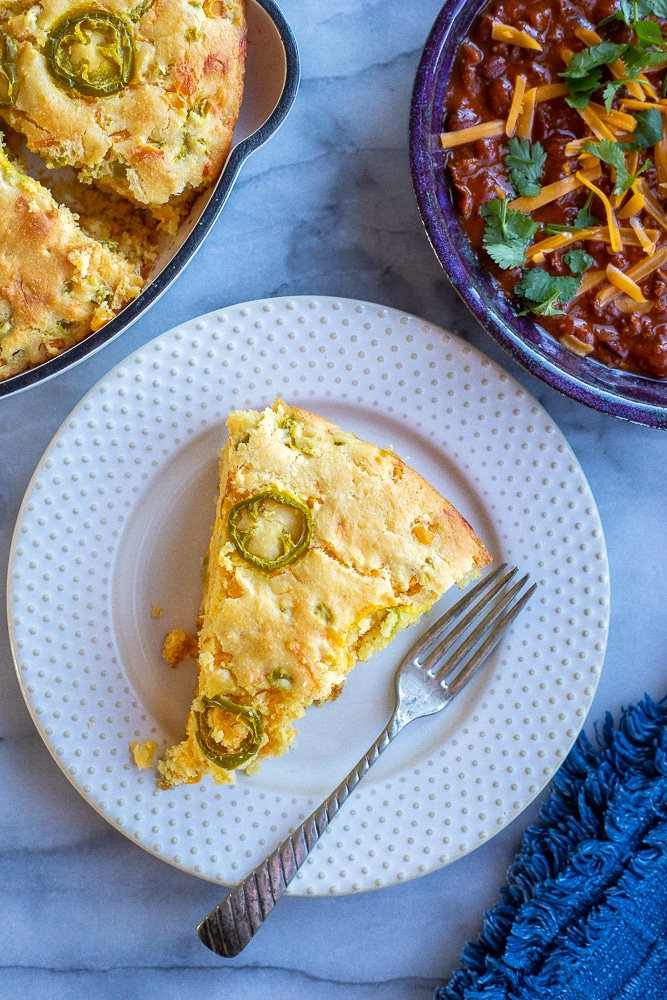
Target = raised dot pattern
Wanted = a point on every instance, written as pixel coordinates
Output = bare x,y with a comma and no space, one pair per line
341,358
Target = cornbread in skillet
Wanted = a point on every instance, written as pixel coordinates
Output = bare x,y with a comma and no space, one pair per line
324,546
140,96
56,282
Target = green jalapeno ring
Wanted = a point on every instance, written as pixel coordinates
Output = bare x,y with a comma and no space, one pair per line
9,77
117,49
293,549
248,717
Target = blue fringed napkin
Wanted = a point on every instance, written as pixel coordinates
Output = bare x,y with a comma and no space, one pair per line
584,914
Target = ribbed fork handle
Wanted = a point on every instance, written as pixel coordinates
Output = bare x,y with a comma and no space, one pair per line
234,922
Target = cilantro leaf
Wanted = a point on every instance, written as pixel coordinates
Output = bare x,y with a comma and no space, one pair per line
633,10
648,33
613,154
578,260
610,91
583,75
507,233
541,292
594,56
648,131
525,162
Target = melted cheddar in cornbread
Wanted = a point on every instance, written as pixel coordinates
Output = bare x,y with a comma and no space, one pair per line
324,546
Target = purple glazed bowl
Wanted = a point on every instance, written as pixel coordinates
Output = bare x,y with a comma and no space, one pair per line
630,397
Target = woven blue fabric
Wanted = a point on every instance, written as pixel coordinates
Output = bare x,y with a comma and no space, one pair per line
584,913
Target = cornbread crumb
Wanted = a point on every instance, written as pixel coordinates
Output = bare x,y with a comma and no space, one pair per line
178,646
143,753
324,546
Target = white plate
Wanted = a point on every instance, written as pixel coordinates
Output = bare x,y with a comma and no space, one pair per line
117,517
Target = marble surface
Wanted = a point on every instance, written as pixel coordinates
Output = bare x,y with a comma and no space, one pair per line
325,208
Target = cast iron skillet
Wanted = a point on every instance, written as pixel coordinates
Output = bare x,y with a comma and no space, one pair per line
271,84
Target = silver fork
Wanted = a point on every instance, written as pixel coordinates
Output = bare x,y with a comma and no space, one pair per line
433,672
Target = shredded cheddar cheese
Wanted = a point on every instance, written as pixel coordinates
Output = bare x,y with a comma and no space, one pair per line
516,106
549,92
650,203
614,234
595,124
648,244
614,119
636,274
576,346
524,126
633,206
619,278
590,280
484,130
514,36
588,36
550,192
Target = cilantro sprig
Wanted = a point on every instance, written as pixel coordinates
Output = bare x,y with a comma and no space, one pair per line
649,130
507,233
583,75
544,293
613,155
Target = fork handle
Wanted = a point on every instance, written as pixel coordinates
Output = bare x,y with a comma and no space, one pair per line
234,922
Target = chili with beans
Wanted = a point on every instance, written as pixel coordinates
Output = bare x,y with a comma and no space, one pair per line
555,142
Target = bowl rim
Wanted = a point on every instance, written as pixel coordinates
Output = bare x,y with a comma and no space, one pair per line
608,390
149,295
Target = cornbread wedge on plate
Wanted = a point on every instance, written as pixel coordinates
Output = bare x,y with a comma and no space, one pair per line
140,96
324,546
56,283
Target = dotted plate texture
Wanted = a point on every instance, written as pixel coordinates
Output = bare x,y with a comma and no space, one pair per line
106,559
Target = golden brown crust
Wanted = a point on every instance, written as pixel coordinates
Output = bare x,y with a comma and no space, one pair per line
167,132
385,546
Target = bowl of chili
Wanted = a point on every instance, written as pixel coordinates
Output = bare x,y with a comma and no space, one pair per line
538,152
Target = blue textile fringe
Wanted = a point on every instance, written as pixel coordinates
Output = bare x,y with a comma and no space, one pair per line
584,913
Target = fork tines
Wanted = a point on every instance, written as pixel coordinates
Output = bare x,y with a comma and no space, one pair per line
472,628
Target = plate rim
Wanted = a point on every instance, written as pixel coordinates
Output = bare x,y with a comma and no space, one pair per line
189,325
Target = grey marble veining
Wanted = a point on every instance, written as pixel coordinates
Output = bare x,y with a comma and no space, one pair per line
326,207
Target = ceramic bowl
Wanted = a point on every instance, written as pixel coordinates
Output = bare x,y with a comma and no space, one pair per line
624,395
271,83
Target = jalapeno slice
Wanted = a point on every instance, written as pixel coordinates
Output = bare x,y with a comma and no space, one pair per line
212,750
245,520
9,78
90,52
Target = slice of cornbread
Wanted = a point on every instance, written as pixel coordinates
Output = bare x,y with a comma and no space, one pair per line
139,95
56,283
323,548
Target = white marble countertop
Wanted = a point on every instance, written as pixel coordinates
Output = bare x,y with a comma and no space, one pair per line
325,208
